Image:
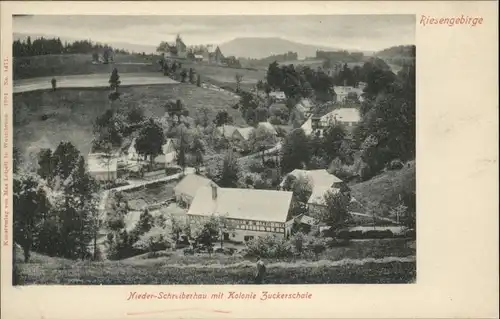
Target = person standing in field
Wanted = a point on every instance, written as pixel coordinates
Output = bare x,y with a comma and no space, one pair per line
53,83
261,271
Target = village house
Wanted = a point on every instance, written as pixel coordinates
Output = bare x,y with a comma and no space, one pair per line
267,126
342,93
213,55
177,49
242,134
278,96
302,223
347,116
186,189
103,167
167,157
317,123
226,131
252,212
321,182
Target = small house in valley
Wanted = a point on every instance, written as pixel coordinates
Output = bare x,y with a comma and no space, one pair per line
278,96
103,167
186,190
321,182
251,212
268,126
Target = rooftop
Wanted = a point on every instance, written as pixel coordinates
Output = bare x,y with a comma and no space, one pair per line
321,182
245,131
345,115
191,183
242,203
228,130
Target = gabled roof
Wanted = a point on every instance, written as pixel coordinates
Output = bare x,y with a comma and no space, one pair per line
228,130
245,132
242,203
169,146
304,219
267,126
349,114
191,183
321,182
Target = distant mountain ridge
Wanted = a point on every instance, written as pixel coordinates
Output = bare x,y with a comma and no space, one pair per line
258,48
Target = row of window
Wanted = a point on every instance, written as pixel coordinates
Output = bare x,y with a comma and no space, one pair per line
262,228
238,222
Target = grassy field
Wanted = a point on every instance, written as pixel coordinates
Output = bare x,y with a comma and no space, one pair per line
43,119
73,64
385,188
361,262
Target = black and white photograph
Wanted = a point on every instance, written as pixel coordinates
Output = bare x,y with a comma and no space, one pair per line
214,150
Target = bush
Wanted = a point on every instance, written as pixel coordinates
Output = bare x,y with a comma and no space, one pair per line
395,164
269,247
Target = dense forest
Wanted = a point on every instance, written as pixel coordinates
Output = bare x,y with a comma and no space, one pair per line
45,46
289,56
344,56
401,55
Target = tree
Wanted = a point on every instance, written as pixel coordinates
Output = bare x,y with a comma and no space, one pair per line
114,80
261,139
302,189
183,147
64,160
203,118
295,152
176,109
222,118
144,224
335,212
191,75
224,170
183,75
198,80
238,77
150,140
30,208
136,115
95,57
198,149
105,56
332,140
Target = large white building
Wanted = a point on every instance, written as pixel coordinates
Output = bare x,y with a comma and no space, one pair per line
252,212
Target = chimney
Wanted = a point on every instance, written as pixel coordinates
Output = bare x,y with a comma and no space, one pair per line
214,191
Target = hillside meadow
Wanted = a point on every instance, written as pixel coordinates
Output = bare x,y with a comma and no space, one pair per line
375,261
44,118
78,64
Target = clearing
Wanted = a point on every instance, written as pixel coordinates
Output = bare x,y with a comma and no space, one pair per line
42,119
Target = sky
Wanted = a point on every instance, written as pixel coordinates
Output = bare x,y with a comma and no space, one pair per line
356,32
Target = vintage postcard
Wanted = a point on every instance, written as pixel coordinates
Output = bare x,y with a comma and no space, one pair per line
198,159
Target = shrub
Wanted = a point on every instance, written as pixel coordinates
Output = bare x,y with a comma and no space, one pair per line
298,241
395,164
269,247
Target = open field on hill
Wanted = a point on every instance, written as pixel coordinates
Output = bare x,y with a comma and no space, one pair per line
361,262
74,64
90,81
44,118
385,188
